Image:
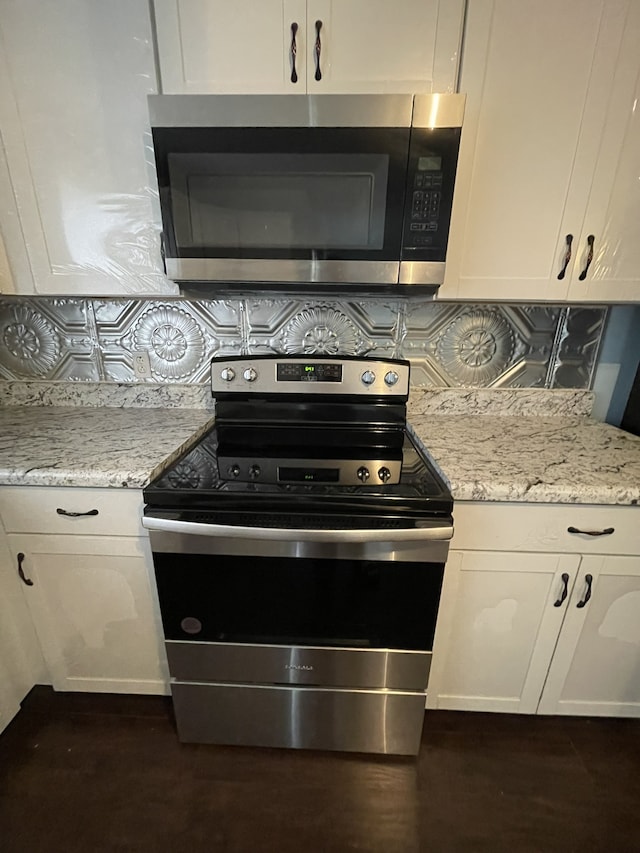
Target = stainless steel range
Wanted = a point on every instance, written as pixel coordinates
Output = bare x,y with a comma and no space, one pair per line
299,552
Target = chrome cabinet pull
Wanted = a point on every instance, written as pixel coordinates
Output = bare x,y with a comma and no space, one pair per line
606,532
25,580
588,579
294,52
317,50
76,514
567,257
563,594
590,242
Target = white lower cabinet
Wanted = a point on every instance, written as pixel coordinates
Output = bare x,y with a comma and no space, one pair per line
21,664
596,666
533,631
88,586
92,607
497,629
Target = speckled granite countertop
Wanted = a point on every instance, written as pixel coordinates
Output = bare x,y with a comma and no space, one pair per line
534,459
540,447
66,446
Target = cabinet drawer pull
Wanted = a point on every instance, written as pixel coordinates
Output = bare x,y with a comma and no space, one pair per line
588,579
567,257
563,594
23,577
75,514
294,52
317,50
606,532
590,242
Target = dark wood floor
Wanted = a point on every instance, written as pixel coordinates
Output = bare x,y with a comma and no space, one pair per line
106,773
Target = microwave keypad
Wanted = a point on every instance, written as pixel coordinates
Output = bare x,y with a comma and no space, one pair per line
425,207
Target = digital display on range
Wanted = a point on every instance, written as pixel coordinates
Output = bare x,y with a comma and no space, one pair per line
309,475
308,371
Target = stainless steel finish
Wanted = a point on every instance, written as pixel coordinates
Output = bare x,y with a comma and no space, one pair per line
417,551
266,380
418,534
284,270
446,110
281,110
380,721
270,469
311,665
421,272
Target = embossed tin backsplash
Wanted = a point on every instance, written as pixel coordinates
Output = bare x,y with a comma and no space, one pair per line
448,344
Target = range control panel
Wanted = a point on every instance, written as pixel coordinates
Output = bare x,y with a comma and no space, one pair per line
342,472
305,376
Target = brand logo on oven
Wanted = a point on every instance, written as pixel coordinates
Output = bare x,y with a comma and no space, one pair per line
300,667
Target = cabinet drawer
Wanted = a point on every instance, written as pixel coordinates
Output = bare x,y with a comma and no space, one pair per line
481,526
30,509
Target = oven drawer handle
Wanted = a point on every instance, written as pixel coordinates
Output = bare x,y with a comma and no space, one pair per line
419,534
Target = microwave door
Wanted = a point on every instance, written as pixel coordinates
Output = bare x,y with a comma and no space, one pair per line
312,204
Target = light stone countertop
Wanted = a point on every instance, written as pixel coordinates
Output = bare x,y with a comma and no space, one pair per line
94,447
541,447
531,458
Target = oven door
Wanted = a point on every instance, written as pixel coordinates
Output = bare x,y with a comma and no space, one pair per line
317,591
279,189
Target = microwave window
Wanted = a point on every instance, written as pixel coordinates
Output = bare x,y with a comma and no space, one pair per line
315,201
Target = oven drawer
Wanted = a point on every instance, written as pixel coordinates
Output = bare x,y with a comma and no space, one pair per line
308,665
379,721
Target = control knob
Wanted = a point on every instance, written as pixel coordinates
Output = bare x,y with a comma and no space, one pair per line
249,374
228,374
391,377
234,470
384,473
368,377
362,474
254,471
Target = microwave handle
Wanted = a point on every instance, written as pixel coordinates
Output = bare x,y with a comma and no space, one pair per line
163,252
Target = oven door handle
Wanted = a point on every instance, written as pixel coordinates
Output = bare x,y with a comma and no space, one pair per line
431,531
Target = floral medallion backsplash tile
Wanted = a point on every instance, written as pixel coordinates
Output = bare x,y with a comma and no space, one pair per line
448,344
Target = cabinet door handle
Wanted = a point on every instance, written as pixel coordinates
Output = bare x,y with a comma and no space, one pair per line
76,514
23,577
590,242
317,50
606,532
588,579
565,588
567,256
294,52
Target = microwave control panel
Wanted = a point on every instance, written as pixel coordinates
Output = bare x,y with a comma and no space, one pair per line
425,201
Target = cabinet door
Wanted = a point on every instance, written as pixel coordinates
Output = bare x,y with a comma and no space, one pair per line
78,214
538,76
596,665
613,210
21,664
373,46
497,628
93,609
207,46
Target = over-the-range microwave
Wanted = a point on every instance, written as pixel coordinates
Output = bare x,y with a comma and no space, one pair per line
291,188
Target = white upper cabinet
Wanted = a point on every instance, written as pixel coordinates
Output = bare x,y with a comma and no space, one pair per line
550,153
350,46
78,209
